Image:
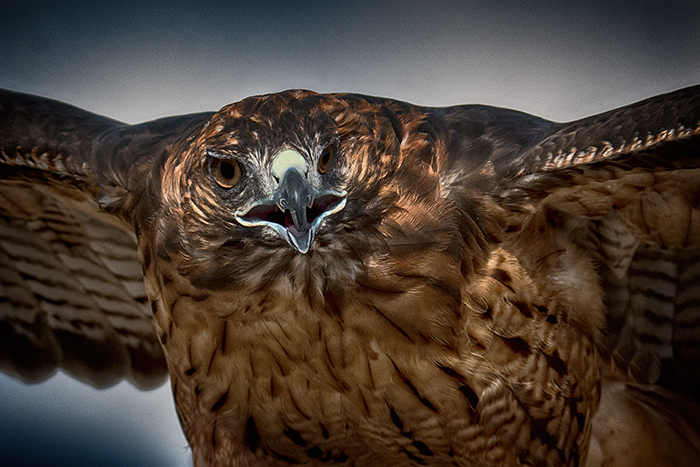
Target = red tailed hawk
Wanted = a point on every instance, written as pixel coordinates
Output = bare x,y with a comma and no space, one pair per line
349,280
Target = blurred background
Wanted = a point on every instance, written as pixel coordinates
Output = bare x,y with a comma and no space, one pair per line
137,61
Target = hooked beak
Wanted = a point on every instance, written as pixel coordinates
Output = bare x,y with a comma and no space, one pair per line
296,209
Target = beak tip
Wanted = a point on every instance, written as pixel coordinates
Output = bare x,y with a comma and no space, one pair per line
303,243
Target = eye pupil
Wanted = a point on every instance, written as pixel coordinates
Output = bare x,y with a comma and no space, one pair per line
227,170
324,162
225,173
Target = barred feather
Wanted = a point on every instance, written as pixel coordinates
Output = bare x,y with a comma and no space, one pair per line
75,289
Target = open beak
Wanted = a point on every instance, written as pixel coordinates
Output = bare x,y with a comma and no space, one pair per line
296,209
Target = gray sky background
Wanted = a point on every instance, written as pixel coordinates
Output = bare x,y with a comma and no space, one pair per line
561,61
136,62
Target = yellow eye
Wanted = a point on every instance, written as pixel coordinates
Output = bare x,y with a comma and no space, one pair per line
226,173
324,162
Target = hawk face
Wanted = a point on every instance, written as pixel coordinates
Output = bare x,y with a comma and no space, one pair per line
265,179
280,175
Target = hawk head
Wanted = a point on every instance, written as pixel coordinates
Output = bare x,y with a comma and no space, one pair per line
280,175
268,180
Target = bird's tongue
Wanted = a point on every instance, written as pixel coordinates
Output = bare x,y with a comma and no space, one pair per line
292,227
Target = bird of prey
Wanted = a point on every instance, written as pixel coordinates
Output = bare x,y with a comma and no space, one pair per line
349,280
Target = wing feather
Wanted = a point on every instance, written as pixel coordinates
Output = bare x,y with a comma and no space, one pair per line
628,182
658,133
71,279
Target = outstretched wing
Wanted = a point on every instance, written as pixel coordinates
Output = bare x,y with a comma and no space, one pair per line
70,277
628,184
625,187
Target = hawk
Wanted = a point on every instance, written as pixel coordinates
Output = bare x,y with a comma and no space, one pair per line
349,280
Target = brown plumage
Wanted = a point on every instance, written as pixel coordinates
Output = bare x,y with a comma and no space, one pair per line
349,280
